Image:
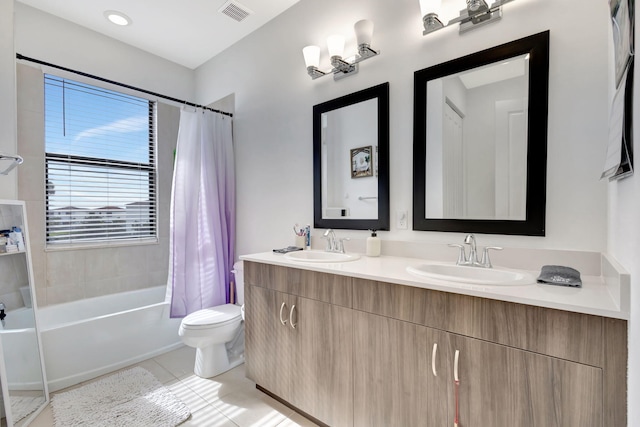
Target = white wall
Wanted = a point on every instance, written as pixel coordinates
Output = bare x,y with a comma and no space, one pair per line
8,186
274,100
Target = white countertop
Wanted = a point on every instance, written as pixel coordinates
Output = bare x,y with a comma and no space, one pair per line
594,297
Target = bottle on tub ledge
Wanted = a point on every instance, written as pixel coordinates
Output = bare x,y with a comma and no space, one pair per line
373,244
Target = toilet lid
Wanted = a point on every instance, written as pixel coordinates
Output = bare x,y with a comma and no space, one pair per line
212,317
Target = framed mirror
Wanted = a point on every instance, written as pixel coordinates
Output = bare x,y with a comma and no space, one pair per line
22,373
351,161
480,141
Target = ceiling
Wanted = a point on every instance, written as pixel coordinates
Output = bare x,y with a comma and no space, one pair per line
188,32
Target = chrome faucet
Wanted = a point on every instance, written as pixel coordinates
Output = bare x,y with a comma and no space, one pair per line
334,244
472,260
473,255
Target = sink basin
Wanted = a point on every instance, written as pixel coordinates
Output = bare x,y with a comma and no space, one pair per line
473,275
320,256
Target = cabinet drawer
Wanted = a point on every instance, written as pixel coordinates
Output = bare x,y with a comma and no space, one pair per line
324,287
567,335
416,305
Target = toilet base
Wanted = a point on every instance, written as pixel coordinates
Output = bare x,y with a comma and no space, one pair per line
214,360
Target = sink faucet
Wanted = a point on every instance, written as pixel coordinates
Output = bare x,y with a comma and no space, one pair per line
334,244
470,240
472,260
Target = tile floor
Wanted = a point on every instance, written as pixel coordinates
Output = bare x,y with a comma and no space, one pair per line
228,400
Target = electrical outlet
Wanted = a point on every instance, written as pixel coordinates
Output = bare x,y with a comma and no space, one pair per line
402,218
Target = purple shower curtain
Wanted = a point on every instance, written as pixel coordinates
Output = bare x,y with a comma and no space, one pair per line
202,223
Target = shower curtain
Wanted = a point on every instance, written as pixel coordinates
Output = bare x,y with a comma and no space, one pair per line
202,218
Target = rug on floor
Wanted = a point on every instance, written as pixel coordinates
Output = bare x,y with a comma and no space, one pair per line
131,398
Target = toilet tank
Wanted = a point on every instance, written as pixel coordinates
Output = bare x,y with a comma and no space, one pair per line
238,269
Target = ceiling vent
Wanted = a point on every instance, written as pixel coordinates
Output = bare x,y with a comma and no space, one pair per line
234,10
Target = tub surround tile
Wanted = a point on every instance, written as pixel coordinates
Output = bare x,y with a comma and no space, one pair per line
100,287
131,260
31,93
101,263
66,268
61,293
30,137
31,178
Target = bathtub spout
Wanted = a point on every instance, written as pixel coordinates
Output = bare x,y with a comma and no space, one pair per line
2,314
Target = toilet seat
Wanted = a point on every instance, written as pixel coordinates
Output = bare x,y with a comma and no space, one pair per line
211,318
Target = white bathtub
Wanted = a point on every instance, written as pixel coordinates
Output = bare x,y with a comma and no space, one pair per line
91,337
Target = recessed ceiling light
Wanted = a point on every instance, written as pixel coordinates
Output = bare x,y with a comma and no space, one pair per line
117,18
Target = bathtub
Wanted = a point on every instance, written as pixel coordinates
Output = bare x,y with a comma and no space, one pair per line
88,338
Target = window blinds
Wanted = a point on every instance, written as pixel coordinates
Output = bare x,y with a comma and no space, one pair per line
100,165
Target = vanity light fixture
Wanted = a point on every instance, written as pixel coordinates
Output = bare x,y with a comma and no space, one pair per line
342,67
477,14
117,18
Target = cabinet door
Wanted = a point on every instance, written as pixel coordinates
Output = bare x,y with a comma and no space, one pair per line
394,383
268,343
503,387
323,349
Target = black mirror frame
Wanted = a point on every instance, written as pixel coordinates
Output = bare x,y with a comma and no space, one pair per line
534,224
381,92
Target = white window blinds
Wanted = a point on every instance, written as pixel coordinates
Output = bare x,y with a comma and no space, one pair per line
100,165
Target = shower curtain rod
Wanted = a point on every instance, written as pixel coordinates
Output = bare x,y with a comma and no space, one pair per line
102,79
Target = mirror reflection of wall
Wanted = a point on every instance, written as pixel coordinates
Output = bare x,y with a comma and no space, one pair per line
342,194
477,142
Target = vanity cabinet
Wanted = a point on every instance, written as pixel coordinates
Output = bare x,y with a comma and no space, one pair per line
302,346
369,353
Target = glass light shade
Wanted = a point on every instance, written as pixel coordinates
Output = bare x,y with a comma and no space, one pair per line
335,44
364,31
430,6
311,56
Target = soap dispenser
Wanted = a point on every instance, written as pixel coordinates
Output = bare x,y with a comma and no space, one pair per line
373,244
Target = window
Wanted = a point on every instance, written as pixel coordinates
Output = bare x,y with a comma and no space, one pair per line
100,165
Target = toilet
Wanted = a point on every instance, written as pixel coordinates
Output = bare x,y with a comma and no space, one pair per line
217,333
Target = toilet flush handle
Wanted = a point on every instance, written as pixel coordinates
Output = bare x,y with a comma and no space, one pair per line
283,321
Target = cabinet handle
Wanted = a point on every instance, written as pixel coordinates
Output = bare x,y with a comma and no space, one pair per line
283,321
433,359
455,366
293,325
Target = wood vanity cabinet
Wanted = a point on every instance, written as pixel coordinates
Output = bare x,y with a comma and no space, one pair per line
302,346
368,353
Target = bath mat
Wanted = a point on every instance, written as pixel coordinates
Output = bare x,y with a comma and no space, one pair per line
131,398
23,406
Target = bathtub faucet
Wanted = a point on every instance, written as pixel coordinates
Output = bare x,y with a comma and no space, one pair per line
2,313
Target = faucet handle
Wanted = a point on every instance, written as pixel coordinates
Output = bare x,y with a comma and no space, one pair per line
340,243
486,262
462,256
